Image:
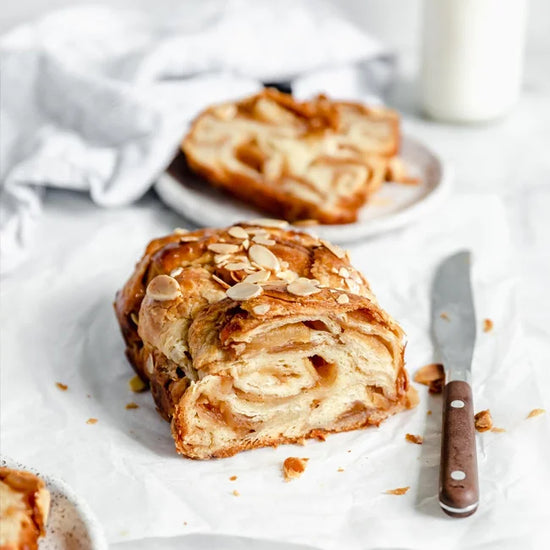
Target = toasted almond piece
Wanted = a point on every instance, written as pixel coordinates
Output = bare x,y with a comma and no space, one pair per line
137,384
238,232
177,271
258,231
220,281
180,231
62,387
91,421
132,405
264,257
188,239
149,364
163,288
303,287
260,239
335,249
243,291
225,112
536,412
236,266
411,438
285,265
261,309
246,244
343,299
134,318
483,421
343,272
268,222
398,491
294,467
223,248
288,276
220,259
257,277
487,325
353,286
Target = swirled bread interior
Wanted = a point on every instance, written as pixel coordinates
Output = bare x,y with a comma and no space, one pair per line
257,335
318,159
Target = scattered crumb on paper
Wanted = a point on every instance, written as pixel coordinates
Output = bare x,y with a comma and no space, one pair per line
445,316
536,412
91,421
294,467
418,439
137,384
483,420
498,430
236,493
62,387
132,405
431,375
340,469
233,478
487,325
398,491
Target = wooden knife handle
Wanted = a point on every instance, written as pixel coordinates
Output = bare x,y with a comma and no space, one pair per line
458,484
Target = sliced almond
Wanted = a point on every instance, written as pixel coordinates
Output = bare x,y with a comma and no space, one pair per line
353,286
257,277
303,287
264,257
257,231
243,291
284,265
238,232
246,244
343,272
335,249
343,299
163,288
261,309
223,248
188,238
268,222
134,318
236,266
260,239
220,281
177,271
180,231
149,364
287,276
220,259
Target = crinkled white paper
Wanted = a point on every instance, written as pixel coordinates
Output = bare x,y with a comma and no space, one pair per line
58,325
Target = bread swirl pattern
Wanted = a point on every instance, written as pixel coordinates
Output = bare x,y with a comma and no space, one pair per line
247,344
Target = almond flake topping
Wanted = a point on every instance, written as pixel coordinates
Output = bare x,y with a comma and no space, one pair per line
220,281
257,277
287,276
162,288
343,272
335,249
264,257
303,287
223,248
188,238
260,239
268,222
150,364
177,271
238,232
180,231
261,309
236,266
246,244
343,299
243,291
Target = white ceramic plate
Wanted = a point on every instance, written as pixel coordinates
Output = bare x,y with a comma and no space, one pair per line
395,205
71,523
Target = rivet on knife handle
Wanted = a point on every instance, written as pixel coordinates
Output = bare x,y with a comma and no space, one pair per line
458,484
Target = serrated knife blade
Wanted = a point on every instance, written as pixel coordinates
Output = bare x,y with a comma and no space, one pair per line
454,332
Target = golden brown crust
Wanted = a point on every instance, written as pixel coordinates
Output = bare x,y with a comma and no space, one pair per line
24,507
318,159
198,333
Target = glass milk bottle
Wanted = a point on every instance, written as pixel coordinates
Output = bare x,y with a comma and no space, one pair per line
472,57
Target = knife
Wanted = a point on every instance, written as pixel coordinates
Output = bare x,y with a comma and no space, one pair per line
454,331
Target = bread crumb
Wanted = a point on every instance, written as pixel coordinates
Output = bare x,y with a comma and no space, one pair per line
498,430
429,412
487,325
398,491
418,439
132,405
483,421
233,478
62,387
340,469
137,384
236,493
91,421
445,316
431,375
184,523
294,467
536,412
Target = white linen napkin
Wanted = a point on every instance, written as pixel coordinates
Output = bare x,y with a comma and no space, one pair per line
97,99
